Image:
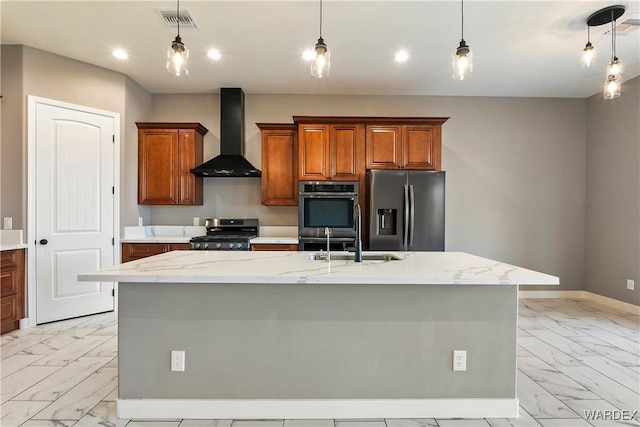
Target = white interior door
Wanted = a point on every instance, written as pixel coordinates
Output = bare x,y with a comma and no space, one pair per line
74,210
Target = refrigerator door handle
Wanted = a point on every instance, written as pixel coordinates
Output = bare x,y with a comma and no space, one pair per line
412,214
405,234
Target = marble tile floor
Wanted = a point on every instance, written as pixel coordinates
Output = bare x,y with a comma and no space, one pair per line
575,357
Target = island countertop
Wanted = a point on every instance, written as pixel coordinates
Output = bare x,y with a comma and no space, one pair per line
419,268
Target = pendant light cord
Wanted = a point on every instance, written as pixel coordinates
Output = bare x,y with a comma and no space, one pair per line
462,15
178,16
320,18
613,39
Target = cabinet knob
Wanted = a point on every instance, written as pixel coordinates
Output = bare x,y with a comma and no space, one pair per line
43,241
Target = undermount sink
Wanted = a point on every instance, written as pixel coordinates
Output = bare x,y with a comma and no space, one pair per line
348,256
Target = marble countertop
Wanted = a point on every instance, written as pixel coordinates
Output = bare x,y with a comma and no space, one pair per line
426,268
275,240
161,233
11,240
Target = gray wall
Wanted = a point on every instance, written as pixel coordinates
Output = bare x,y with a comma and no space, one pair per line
137,108
613,194
12,148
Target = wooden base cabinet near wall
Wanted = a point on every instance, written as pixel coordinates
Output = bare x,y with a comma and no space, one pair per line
12,289
166,154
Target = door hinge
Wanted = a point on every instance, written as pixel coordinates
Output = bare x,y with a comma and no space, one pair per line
113,138
113,292
113,241
113,190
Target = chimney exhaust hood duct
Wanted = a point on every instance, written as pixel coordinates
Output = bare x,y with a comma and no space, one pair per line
230,162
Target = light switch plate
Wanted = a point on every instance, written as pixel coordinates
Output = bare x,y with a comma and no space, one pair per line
8,223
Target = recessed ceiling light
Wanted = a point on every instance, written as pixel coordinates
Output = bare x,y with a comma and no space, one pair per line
120,53
214,54
401,56
309,55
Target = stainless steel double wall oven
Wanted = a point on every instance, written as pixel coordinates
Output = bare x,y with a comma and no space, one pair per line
327,204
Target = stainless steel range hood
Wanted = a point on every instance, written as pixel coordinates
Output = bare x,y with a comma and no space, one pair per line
231,161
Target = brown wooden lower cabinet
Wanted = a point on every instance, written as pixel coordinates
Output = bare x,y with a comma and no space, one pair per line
12,289
273,247
133,251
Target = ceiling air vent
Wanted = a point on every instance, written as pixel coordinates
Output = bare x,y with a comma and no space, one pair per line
185,18
624,27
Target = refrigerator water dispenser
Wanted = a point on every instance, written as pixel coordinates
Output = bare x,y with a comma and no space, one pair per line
387,222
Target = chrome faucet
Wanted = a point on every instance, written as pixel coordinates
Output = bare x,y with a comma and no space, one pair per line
327,233
358,224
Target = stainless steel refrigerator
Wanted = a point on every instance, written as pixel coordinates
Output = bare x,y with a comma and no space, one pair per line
406,210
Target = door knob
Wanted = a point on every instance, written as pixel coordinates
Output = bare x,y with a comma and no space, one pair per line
44,241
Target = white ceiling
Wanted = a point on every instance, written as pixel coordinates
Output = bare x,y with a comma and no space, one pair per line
521,48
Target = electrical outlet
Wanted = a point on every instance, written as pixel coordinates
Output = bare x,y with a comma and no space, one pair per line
140,221
459,360
177,360
631,284
196,221
8,223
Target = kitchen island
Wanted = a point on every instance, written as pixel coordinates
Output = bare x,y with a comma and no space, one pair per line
279,335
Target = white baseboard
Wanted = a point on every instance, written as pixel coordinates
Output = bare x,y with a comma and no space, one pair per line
316,409
620,305
23,323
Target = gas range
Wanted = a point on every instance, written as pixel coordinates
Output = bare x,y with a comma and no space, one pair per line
226,235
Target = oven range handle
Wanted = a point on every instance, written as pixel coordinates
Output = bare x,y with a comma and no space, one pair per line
325,195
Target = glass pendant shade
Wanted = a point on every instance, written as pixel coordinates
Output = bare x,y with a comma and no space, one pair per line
177,57
588,55
462,62
612,87
615,68
321,65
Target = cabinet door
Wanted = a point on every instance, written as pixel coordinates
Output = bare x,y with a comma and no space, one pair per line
166,154
346,144
189,156
279,161
420,147
158,167
313,152
273,247
133,251
383,147
12,287
179,247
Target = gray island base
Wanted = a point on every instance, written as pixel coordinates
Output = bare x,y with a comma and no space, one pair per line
276,335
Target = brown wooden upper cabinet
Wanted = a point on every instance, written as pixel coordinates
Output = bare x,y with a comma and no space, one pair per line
330,151
279,164
404,146
166,154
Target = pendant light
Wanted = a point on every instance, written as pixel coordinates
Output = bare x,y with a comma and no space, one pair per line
177,54
613,80
462,60
321,65
588,53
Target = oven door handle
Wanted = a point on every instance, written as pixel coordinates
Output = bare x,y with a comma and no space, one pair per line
329,195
